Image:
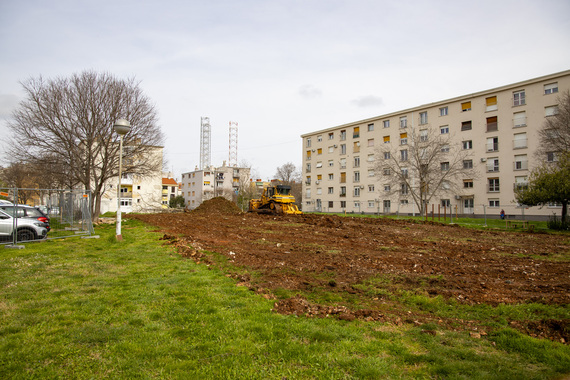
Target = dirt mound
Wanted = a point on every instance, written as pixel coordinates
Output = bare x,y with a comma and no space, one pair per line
218,206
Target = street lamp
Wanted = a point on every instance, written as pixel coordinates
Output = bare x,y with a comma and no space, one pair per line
122,127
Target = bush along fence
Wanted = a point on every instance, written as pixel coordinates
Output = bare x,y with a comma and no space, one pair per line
28,215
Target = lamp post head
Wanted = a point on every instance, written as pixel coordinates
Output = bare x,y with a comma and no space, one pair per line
122,127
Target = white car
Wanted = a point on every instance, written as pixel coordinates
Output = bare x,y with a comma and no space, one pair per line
26,229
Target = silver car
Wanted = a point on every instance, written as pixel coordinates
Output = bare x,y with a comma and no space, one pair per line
26,229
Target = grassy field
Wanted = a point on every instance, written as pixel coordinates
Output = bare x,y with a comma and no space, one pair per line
97,308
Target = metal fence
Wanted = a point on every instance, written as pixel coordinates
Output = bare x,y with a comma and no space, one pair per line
39,214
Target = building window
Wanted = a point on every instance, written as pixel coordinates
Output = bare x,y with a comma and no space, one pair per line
320,151
370,142
521,162
466,106
444,166
343,204
319,138
387,188
404,155
356,147
308,167
550,111
386,139
468,144
444,130
404,172
403,139
356,162
443,111
519,119
371,158
520,141
308,142
491,103
550,88
371,204
370,173
386,155
356,133
356,176
331,176
308,181
492,124
331,149
468,183
342,148
308,193
386,123
308,155
331,204
519,98
404,202
343,135
343,163
494,185
445,148
466,126
331,190
403,122
331,163
370,127
319,164
492,144
551,157
357,191
331,136
403,189
370,188
445,203
319,191
423,135
494,203
343,191
423,118
493,165
467,164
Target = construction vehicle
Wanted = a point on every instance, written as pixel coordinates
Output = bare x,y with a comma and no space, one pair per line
275,200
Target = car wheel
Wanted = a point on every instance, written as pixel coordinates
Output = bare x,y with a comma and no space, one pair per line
26,235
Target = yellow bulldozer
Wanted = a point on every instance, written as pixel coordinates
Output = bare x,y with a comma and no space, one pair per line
275,200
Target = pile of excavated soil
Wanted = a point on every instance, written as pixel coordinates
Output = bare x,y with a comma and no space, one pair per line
218,206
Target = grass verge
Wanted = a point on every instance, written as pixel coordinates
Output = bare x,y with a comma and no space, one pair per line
98,308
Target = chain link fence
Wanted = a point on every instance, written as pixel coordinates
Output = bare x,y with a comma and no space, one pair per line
37,214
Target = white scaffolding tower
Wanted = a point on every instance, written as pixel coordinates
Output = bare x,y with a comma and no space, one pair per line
232,161
205,143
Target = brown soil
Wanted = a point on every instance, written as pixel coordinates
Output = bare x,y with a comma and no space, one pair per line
364,259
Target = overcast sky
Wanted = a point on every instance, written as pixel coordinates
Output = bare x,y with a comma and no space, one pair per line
280,68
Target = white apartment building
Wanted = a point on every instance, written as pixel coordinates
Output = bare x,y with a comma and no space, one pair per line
138,193
203,184
499,128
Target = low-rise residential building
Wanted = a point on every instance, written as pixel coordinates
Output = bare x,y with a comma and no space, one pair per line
169,190
498,127
203,184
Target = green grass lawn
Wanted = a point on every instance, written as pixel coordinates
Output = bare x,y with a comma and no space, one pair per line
98,308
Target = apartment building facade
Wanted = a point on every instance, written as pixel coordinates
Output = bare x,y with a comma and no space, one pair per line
203,184
138,193
497,129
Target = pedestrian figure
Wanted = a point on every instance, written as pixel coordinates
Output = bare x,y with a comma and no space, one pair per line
502,214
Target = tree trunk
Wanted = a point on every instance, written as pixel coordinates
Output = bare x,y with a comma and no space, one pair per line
564,212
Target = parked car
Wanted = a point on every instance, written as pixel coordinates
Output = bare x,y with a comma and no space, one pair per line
26,228
27,212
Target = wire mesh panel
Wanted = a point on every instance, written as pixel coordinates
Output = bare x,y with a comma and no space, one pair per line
38,214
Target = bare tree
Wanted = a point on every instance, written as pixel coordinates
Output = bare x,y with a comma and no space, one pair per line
555,132
21,176
69,121
423,165
288,173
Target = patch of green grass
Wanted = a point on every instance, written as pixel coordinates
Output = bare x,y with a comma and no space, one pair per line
98,308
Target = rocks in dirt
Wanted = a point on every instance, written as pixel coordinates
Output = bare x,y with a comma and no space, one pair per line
219,206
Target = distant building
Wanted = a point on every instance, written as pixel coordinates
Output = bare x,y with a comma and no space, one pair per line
138,193
203,184
499,127
169,191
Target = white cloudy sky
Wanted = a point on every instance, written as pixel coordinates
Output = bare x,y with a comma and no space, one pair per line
280,68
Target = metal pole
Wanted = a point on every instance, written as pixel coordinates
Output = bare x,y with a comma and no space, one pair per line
118,223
